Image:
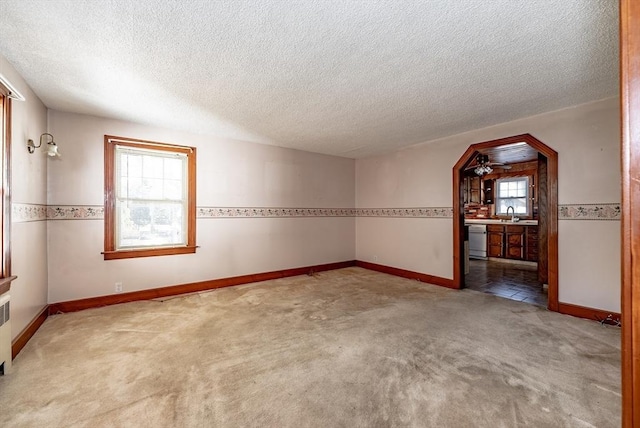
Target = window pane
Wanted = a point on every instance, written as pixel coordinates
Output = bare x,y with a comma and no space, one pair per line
173,189
520,205
123,188
513,189
504,190
151,176
150,224
152,166
153,188
135,188
173,168
123,165
134,165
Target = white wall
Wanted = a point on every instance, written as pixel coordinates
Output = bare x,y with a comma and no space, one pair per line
29,173
229,174
587,140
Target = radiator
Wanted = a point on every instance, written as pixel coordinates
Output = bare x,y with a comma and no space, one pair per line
5,334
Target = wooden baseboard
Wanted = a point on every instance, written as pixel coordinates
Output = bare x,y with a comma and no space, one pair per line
28,332
588,313
422,277
173,290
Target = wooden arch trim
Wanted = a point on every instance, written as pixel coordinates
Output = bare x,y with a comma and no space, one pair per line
550,223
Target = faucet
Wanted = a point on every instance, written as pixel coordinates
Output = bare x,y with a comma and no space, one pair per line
513,213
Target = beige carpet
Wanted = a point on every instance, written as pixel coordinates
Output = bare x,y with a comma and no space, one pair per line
347,348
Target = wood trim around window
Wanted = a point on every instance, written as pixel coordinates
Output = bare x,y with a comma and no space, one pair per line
110,252
5,223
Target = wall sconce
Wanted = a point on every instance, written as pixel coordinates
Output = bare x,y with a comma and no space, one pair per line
52,147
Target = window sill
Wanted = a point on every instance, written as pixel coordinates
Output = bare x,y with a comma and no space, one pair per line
148,252
5,284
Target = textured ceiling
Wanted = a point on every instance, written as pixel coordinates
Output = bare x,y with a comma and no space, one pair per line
349,78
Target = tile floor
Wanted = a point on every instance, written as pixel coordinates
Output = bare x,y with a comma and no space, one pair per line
512,281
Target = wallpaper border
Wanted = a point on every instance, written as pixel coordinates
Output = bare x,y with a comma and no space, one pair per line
75,212
38,212
424,212
21,213
605,211
258,212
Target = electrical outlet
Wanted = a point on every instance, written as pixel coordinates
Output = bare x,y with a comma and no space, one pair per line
118,287
375,258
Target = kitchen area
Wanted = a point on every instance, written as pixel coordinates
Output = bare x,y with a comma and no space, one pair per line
501,219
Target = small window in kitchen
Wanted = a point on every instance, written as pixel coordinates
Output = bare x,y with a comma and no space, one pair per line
512,192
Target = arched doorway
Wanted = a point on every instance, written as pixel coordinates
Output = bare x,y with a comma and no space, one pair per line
548,210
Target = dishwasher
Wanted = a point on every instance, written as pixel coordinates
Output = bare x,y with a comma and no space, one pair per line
478,241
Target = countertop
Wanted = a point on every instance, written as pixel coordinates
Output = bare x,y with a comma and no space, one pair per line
497,221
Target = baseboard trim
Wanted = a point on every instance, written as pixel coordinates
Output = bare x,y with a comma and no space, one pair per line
25,335
174,290
422,277
588,313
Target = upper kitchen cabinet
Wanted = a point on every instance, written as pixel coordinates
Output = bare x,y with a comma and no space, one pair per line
472,190
488,191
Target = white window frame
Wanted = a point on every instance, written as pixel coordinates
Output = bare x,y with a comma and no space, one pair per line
499,199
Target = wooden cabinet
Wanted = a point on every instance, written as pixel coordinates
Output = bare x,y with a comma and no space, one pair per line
472,190
475,190
488,191
495,240
512,242
515,240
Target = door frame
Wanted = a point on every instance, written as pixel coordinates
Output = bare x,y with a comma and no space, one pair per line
630,226
552,209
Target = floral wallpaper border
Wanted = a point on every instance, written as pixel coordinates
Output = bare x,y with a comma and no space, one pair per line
75,212
37,212
216,212
589,212
28,212
220,212
436,212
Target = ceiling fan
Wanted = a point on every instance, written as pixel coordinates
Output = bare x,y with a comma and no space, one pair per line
484,166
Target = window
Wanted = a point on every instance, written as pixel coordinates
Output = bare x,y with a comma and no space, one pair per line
150,205
512,192
3,100
6,96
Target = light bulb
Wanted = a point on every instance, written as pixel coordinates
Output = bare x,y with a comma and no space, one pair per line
52,150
